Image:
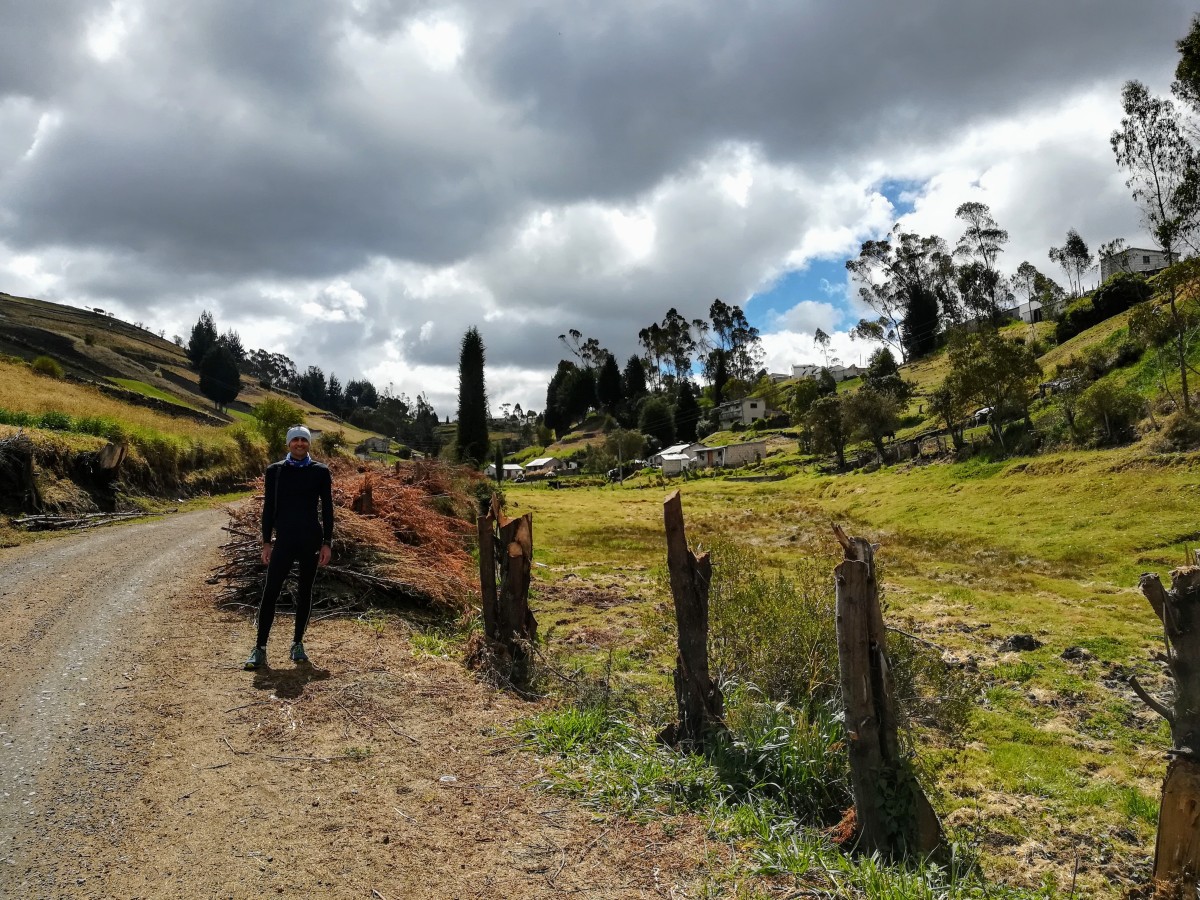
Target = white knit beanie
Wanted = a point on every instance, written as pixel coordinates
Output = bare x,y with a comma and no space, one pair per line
299,431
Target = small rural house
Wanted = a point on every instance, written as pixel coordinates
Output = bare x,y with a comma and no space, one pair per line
744,411
838,371
675,449
543,465
675,463
374,445
1133,259
511,471
730,455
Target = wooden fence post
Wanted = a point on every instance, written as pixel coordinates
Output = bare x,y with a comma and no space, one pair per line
506,544
894,817
699,700
1177,849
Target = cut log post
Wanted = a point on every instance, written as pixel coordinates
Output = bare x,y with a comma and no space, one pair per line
506,544
487,572
894,817
1177,848
364,501
699,700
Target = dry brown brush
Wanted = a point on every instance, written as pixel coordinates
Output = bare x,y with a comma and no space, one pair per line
400,534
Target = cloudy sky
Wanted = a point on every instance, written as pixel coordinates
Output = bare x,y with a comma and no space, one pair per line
357,182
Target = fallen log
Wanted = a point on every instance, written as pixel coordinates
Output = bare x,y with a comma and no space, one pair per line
76,522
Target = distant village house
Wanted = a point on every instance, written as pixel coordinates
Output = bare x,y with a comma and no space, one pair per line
838,371
730,455
744,411
543,465
1136,260
511,471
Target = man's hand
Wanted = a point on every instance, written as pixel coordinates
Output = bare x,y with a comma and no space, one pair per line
266,554
323,558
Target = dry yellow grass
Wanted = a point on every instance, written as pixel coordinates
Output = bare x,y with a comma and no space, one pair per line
23,391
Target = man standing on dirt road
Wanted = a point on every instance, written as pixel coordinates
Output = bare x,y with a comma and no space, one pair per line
294,487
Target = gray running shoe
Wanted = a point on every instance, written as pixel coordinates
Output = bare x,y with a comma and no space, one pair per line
258,658
298,654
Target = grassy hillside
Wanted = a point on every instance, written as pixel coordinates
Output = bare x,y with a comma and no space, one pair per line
122,383
100,349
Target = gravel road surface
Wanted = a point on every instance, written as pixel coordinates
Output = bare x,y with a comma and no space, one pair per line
76,614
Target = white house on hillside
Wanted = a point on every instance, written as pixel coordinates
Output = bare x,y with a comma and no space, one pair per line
543,465
1133,259
730,455
838,371
743,411
673,450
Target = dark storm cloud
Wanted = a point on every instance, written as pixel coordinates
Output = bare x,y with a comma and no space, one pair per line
243,156
640,88
39,45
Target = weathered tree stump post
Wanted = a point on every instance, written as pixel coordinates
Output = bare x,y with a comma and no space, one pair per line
507,545
894,817
1177,849
364,501
701,706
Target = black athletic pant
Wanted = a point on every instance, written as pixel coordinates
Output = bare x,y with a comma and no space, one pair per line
283,554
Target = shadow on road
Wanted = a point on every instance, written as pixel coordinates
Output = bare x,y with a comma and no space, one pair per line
288,683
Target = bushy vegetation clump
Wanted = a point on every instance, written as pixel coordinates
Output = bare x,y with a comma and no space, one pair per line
778,631
48,366
274,417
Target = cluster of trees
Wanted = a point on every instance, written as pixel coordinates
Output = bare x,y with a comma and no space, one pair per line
1158,146
655,391
921,289
222,360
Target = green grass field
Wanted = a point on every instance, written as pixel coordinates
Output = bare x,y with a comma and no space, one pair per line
1059,754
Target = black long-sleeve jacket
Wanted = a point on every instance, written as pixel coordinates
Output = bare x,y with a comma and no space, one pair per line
293,494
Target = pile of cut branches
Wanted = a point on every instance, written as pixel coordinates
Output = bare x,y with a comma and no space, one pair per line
400,534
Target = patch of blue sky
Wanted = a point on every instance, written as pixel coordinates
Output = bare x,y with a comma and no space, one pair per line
821,281
824,281
901,193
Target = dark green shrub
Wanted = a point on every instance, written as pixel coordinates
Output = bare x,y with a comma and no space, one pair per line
19,419
1109,410
55,421
1180,432
1127,353
1119,293
330,442
1079,316
45,365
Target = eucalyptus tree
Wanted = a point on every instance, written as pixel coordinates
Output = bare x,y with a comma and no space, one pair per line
903,279
981,243
1153,148
1074,258
735,339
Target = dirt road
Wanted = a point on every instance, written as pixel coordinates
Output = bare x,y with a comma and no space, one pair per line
138,760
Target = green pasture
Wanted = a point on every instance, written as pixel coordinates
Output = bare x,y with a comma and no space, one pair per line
1058,752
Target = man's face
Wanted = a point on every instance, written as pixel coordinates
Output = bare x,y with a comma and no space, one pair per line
298,446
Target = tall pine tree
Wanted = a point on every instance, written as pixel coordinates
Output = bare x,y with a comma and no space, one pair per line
473,443
609,390
204,338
